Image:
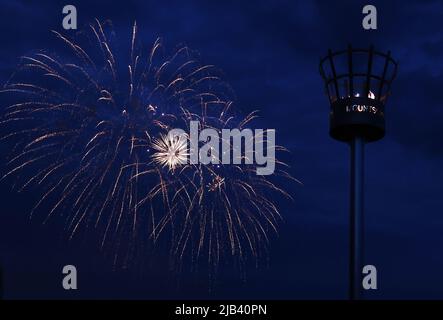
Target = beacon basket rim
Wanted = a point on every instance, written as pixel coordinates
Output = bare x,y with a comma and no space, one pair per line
384,79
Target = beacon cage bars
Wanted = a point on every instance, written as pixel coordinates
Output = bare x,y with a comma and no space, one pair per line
358,83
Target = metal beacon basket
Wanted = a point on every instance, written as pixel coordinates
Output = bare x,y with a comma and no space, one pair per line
358,83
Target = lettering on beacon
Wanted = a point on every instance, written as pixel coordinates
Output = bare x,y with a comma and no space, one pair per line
362,107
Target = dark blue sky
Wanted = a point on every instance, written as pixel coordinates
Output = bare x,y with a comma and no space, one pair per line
269,52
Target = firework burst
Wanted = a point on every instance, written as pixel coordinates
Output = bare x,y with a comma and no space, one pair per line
89,127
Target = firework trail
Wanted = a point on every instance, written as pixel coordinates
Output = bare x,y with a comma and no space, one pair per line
89,127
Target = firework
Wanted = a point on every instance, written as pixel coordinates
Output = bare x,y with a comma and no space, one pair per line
88,126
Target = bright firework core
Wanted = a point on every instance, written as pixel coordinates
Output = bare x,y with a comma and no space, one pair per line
172,150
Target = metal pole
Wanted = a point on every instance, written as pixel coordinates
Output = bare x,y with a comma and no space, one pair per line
356,218
1,283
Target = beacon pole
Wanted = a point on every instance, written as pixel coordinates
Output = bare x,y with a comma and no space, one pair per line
356,222
1,283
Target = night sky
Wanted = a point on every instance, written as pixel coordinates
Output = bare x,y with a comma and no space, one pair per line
269,52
